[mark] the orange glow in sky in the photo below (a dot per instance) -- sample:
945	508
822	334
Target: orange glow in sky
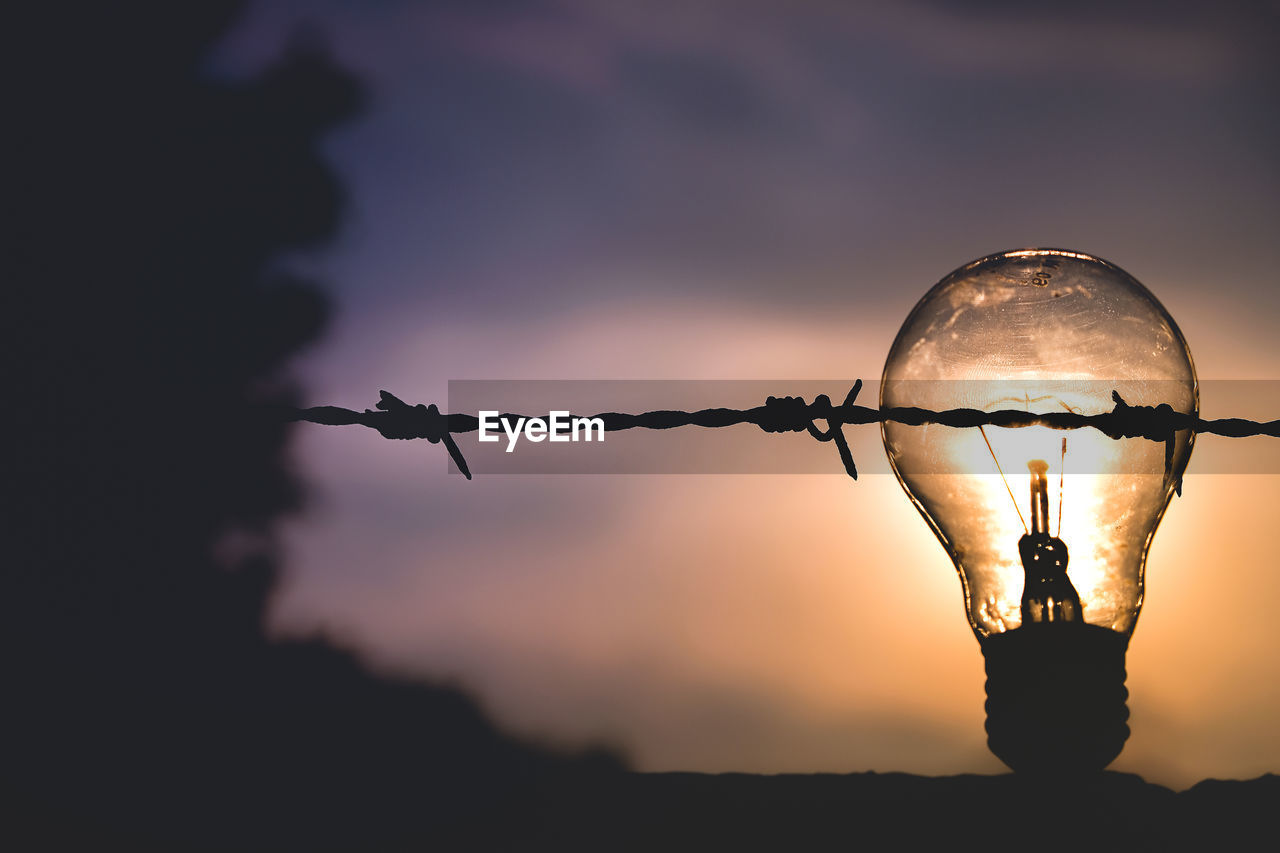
751	622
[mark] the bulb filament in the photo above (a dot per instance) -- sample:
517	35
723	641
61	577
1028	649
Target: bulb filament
1062	482
1048	595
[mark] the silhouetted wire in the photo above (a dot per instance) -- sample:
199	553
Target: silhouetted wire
394	418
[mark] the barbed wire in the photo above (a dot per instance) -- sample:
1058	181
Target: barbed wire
393	418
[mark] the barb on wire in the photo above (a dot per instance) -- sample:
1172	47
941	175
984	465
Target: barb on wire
394	418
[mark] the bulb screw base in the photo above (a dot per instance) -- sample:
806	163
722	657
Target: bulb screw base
1056	698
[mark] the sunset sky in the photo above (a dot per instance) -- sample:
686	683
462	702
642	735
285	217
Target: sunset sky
721	190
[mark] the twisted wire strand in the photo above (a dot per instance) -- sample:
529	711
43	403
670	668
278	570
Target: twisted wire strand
396	419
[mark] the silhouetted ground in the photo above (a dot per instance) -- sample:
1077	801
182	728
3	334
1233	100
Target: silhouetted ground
608	810
147	330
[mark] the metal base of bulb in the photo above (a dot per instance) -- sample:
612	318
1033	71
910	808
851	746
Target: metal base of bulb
1056	698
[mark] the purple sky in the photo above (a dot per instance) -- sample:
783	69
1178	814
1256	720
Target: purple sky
540	189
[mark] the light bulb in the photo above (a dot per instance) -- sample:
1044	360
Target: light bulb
1048	529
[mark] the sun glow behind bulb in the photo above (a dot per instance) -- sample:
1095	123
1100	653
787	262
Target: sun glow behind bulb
1075	501
1039	331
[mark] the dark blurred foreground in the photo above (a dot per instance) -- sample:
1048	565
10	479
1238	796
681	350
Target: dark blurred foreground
608	810
148	337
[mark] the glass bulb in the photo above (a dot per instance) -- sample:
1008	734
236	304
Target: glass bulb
1048	529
